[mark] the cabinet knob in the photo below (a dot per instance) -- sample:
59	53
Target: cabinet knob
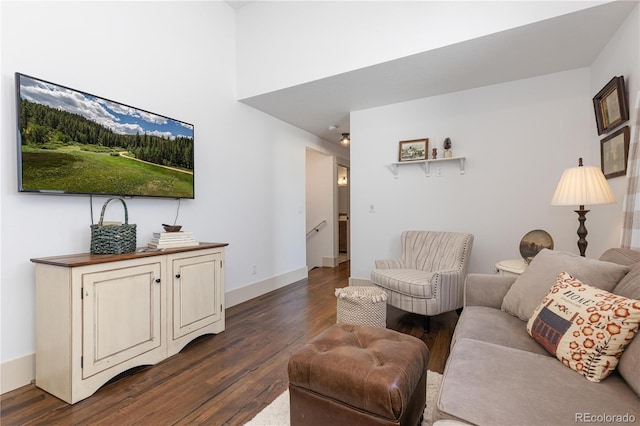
177	275
157	280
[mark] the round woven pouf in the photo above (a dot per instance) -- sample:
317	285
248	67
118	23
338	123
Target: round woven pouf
362	306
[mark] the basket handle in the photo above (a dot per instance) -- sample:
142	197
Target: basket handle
126	212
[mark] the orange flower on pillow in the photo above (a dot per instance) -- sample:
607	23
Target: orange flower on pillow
613	328
621	312
604	306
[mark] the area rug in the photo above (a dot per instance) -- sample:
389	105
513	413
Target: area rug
277	413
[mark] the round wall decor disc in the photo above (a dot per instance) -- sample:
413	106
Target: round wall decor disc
533	242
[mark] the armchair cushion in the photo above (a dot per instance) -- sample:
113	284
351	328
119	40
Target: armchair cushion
529	288
410	282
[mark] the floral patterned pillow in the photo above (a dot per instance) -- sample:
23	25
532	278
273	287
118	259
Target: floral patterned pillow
585	327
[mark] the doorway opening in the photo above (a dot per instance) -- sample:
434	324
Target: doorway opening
343	214
327	210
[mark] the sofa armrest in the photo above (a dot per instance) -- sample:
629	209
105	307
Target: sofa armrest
486	290
390	264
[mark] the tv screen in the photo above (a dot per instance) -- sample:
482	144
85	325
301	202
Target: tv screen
72	142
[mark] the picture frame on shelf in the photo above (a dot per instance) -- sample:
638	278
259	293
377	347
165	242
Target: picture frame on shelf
413	150
610	105
614	153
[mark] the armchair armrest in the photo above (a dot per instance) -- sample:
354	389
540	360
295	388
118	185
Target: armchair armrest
390	264
448	288
486	290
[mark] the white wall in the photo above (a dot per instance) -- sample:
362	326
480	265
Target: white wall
341	36
172	58
621	56
518	137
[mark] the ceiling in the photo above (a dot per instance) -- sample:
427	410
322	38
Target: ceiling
238	4
558	44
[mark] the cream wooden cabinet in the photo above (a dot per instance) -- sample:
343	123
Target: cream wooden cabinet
100	315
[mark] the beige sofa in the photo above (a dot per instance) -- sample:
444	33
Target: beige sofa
497	374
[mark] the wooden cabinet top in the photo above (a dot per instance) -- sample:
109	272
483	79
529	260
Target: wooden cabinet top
83	259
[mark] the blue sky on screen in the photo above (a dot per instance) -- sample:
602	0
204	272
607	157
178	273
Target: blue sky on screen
119	118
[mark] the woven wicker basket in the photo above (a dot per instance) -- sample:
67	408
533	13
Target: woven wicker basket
362	306
113	239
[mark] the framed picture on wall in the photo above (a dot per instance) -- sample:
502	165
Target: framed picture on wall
413	150
610	105
614	152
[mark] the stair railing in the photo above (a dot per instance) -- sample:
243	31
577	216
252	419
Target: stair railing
317	228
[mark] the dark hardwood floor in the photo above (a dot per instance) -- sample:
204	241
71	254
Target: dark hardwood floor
223	379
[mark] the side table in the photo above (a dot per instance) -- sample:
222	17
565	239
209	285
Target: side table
511	267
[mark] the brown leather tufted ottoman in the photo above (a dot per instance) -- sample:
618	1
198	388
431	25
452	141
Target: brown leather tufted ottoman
358	375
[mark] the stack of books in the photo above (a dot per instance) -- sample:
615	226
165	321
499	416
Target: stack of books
161	240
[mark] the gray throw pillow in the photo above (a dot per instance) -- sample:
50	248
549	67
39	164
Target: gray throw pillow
628	365
629	286
534	283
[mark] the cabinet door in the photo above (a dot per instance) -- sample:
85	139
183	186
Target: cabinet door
121	315
196	293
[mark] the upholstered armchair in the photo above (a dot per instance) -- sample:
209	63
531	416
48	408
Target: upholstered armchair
429	279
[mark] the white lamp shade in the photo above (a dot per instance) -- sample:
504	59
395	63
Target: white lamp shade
583	185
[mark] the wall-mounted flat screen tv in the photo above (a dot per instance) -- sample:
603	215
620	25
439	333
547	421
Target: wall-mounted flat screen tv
72	142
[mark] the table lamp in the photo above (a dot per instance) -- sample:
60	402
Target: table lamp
581	186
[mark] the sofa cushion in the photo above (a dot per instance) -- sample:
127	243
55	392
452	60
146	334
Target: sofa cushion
488	384
495	326
585	327
486	290
629	286
621	256
628	365
534	283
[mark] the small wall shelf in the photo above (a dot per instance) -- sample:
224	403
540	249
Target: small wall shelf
426	165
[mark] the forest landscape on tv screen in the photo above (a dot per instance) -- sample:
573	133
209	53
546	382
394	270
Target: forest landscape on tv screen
72	142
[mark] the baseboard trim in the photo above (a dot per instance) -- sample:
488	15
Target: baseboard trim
359	282
18	372
248	292
329	262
